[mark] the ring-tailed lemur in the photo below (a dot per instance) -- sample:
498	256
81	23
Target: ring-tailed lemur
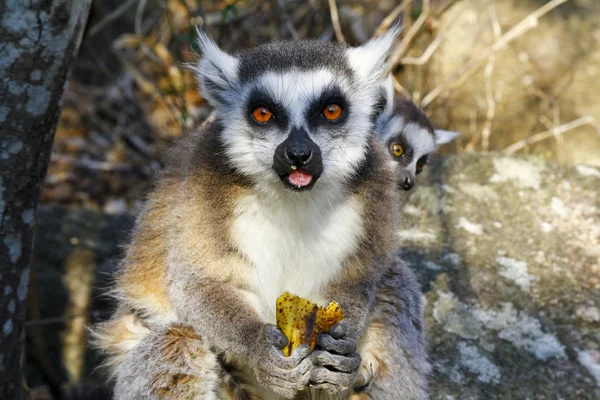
408	135
286	189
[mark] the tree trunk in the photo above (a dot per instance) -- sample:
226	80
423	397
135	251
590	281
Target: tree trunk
38	41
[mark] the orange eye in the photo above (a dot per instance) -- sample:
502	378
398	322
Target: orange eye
397	149
262	114
332	112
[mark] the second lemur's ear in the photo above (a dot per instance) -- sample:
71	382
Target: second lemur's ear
443	137
370	60
387	90
217	71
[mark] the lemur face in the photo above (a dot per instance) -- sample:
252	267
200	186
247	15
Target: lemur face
409	137
295	114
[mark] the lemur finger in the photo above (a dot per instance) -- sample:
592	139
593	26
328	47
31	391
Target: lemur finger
337	362
275	337
292	361
338	346
331	388
297	377
321	375
339	330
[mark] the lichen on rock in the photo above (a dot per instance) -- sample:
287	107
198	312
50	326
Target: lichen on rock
512	306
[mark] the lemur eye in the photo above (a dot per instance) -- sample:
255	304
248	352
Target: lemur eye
397	150
262	114
332	112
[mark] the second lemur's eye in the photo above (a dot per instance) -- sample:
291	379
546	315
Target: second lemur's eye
397	150
262	115
332	112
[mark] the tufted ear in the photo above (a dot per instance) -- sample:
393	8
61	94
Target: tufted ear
370	60
443	137
387	91
216	71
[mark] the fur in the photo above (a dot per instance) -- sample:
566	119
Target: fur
400	121
221	236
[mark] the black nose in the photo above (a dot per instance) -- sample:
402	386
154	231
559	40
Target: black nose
298	155
408	183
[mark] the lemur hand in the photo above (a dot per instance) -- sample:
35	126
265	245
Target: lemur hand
335	361
283	375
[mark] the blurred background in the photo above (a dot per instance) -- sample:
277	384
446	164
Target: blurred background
513	77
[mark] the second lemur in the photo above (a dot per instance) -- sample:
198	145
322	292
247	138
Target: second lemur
408	135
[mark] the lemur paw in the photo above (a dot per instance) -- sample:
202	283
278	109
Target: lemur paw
335	362
283	375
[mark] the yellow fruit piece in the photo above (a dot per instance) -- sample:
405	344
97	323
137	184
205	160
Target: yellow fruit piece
301	320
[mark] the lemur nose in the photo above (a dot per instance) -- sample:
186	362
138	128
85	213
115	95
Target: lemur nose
298	154
408	183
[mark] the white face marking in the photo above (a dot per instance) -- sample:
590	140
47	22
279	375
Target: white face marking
420	140
294	245
251	149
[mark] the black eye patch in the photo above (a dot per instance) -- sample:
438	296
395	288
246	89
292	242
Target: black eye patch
331	95
408	153
261	98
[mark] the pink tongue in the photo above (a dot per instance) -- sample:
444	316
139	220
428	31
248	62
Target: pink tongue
300	178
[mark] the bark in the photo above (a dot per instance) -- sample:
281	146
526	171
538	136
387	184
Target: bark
38	41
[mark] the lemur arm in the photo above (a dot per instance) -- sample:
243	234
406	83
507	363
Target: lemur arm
219	314
234	330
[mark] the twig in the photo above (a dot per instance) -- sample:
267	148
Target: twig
538	137
406	17
139	14
391	17
403	46
489	69
287	20
491	109
110	17
462	73
335	20
90	164
399	88
426	55
556	123
494	19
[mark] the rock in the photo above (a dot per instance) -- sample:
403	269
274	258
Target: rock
513	297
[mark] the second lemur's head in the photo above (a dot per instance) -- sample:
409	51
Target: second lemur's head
408	135
295	114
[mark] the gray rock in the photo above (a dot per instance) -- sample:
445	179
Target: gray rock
512	302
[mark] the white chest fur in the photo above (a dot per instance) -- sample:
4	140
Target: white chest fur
296	245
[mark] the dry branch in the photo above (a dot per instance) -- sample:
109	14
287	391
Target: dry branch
390	18
403	46
538	137
335	20
424	58
462	73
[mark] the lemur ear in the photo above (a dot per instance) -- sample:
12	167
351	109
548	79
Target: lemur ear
370	60
216	71
387	89
443	137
